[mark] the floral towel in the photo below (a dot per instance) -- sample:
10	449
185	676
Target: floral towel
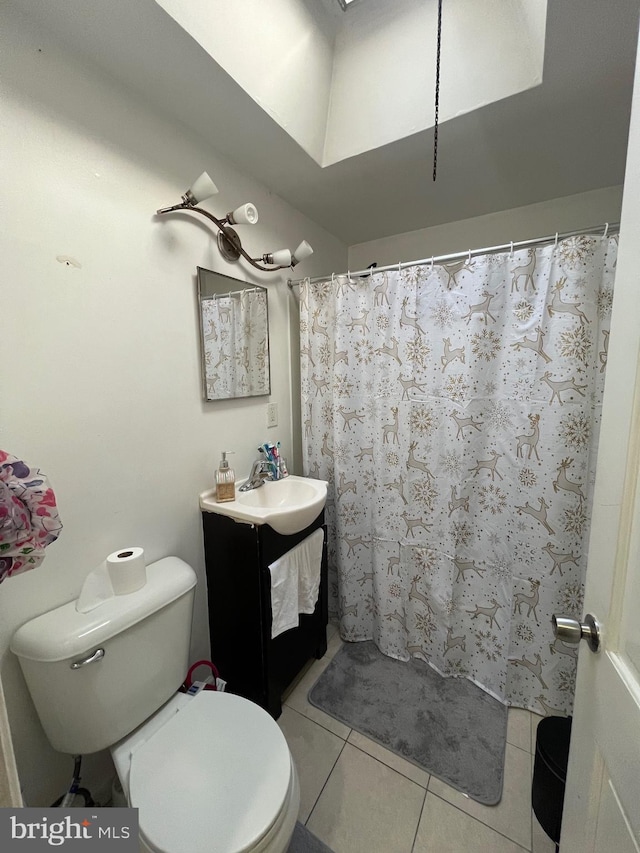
28	516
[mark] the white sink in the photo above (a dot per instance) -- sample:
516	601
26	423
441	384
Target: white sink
287	505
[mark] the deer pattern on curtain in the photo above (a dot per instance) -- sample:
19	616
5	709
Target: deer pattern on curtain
454	410
234	337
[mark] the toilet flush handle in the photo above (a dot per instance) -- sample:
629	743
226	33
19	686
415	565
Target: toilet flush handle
97	655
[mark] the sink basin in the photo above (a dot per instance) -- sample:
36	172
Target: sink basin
287	505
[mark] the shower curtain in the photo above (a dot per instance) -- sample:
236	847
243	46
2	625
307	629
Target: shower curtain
454	410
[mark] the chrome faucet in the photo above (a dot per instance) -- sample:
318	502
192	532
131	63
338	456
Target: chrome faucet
261	470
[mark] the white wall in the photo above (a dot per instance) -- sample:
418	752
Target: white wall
280	52
344	83
521	223
100	381
384	67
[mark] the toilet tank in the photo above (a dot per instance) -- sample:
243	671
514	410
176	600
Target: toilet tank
145	639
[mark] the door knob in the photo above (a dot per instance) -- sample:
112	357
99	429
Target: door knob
571	631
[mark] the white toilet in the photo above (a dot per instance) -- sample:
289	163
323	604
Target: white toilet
206	772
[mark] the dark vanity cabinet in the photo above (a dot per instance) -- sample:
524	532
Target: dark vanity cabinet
239	593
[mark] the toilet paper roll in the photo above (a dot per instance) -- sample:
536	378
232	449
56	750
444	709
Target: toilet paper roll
127	570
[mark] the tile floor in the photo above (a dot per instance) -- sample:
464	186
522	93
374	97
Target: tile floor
360	798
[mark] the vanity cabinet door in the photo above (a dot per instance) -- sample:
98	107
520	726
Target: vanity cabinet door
239	595
232	557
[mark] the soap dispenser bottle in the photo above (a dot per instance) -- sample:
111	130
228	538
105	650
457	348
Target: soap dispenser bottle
225	480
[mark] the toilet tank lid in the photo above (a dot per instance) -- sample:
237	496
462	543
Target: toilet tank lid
65	633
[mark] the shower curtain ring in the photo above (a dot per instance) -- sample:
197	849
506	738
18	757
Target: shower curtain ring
333	278
399	267
431	267
606	229
511	252
556	243
469	261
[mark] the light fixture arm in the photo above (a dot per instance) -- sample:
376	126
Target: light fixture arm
222	226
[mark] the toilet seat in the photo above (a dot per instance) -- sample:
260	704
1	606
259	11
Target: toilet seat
217	775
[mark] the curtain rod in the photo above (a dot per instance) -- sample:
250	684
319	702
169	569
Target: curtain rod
607	228
231	293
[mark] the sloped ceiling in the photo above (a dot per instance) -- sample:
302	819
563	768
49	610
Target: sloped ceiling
564	136
344	84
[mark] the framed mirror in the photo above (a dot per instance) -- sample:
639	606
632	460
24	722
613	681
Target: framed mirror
234	336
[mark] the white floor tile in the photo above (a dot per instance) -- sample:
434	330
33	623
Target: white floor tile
314	750
535	719
519	728
445	829
291	687
391	759
366	807
297	699
540	841
512	816
333	646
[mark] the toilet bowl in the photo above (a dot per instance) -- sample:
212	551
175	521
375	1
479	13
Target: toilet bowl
210	766
206	772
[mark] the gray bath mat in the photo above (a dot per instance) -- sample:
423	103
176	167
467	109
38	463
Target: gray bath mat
447	726
303	841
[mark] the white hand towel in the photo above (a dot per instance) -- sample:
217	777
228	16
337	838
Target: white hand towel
295	582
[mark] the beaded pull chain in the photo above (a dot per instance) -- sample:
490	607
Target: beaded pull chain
435	128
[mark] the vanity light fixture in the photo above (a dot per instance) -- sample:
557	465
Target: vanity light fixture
229	242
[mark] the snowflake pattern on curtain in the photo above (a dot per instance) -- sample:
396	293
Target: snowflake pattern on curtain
454	410
235	344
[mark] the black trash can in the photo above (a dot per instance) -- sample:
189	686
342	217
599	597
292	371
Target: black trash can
550	773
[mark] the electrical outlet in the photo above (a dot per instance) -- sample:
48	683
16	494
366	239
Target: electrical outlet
272	414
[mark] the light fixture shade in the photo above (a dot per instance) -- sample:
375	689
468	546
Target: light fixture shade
281	258
246	214
202	188
303	251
